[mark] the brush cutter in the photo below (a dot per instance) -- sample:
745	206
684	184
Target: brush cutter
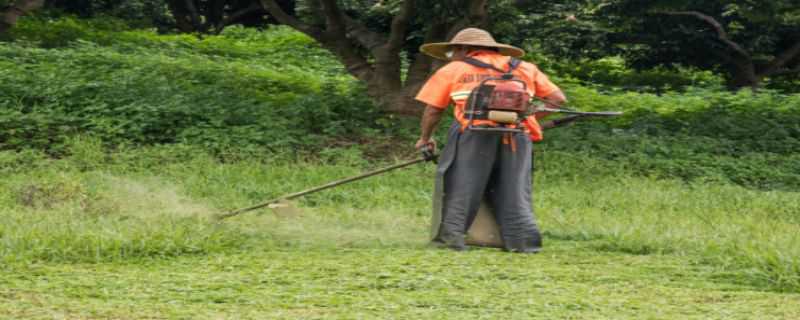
576	112
427	155
541	107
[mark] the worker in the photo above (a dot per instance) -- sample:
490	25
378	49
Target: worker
477	165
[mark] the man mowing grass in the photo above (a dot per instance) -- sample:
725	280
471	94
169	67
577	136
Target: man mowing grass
489	151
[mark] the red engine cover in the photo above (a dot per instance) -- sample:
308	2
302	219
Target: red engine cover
509	96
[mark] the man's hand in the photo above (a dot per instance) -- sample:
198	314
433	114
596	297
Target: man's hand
421	143
565	121
430	119
555	99
428	149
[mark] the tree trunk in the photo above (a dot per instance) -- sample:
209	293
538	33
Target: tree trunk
744	80
423	66
743	75
373	57
9	15
216	14
182	19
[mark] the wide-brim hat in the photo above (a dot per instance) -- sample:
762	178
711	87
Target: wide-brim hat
470	37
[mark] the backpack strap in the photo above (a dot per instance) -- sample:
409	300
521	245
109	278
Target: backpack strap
513	63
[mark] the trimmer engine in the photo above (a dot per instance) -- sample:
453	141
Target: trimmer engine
503	100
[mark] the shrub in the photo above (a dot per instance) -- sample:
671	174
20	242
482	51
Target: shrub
745	138
239	89
278	90
611	74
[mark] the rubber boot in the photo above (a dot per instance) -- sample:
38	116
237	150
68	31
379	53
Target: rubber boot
525	245
453	241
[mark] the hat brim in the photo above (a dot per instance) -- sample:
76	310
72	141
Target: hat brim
438	50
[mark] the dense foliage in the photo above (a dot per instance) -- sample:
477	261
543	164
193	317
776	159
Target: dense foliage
748	41
139	13
272	90
745	138
277	90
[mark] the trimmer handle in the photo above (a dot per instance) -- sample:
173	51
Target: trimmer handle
428	154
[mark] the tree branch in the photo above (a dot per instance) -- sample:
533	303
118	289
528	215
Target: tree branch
400	24
364	36
11	13
477	11
315	7
216	13
336	37
195	15
423	65
476	17
178	10
334	19
238	14
796	69
781	60
281	16
721	34
335	41
23	7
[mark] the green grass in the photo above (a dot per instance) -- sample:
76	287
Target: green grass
685	208
130	234
570	280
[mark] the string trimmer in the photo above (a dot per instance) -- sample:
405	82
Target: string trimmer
427	155
541	106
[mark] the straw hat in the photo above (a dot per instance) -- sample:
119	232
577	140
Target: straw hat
470	37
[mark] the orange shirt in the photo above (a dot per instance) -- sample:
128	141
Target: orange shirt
454	82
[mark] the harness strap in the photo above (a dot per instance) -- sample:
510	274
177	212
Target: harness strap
513	63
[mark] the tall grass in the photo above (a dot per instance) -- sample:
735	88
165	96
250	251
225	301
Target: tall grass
722	224
93	206
148	204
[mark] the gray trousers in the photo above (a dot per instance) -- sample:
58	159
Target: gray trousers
475	166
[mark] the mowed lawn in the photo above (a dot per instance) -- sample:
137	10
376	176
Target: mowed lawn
120	239
569	280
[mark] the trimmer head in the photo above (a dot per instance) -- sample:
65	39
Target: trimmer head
285	208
